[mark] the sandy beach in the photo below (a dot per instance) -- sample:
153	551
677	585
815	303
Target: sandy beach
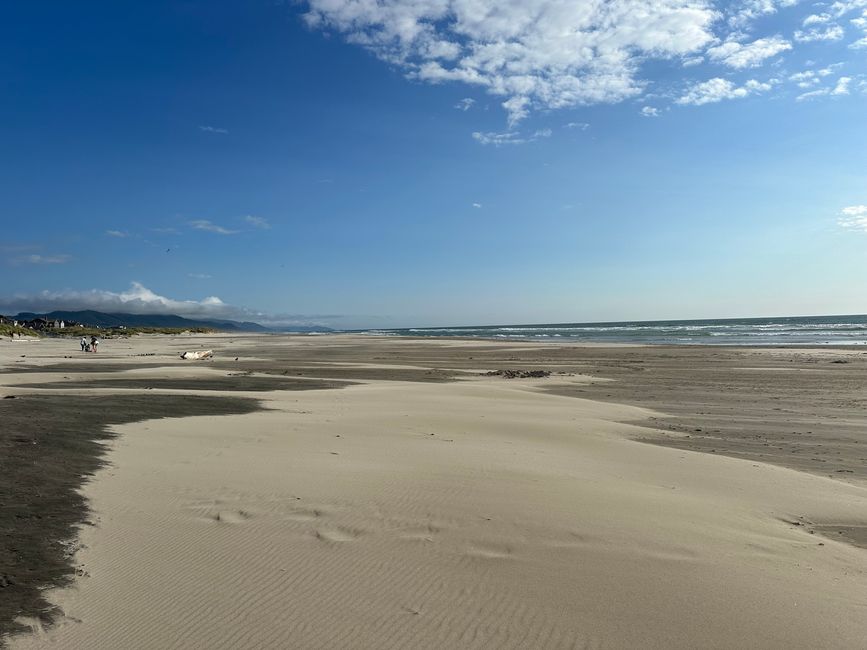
368	492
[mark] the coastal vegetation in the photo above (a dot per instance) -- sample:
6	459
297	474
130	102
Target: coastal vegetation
111	332
8	329
114	332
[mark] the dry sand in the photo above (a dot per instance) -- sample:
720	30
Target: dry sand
417	512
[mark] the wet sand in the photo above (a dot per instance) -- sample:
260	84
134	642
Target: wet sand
426	505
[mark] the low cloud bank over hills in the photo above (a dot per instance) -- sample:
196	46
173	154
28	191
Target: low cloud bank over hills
139	306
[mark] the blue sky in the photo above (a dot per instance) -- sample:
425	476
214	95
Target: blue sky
435	162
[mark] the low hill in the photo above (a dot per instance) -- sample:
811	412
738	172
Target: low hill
104	320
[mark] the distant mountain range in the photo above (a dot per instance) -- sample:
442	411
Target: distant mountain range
101	319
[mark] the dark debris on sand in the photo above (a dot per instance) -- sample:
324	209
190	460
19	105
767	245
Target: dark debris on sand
519	374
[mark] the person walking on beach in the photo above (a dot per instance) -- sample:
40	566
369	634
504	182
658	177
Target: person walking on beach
93	343
83	342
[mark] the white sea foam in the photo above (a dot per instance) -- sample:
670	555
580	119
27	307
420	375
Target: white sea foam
843	330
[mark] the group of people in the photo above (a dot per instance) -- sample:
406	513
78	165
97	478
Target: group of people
89	347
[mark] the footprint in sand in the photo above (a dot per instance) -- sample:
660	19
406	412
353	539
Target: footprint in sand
231	516
339	534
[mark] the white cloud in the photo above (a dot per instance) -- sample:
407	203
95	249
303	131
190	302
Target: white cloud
809	78
838	9
649	111
40	259
860	23
583	126
816	19
465	104
536	54
477	205
831	33
748	55
716	90
117	233
517	109
854	217
138	299
745	12
811	95
213	129
199	276
208	226
509	137
690	61
841	88
258	222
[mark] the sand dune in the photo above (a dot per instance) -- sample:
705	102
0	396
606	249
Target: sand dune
472	514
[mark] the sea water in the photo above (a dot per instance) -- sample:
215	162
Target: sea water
794	330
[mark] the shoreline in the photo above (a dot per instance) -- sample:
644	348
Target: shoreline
339	482
566	341
496	339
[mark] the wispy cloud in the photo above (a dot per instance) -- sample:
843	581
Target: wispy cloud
834	10
581	126
209	226
854	217
257	222
860	23
477	205
498	139
822	25
840	88
117	233
716	90
213	129
509	137
809	78
831	33
40	259
816	19
748	55
649	111
741	14
465	104
199	276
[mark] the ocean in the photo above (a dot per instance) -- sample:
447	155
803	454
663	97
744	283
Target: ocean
794	330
